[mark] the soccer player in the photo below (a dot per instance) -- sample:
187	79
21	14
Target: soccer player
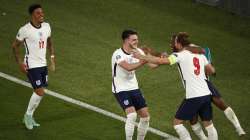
192	68
125	85
36	37
217	101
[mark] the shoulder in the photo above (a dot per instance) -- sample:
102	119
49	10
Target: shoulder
181	53
24	27
46	24
203	57
22	32
118	52
118	55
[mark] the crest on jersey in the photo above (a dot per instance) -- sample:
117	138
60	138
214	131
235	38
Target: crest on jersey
38	82
126	102
40	34
118	57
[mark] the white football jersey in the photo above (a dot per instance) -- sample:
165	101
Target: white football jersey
192	71
123	80
35	42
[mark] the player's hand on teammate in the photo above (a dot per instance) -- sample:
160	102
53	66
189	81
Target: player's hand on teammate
52	66
23	68
137	54
147	50
164	54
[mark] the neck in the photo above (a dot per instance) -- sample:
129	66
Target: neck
181	49
127	49
35	24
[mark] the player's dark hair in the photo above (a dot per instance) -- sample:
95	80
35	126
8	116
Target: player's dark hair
172	43
33	7
126	33
182	38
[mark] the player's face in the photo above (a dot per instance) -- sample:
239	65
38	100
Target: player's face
177	47
133	40
38	15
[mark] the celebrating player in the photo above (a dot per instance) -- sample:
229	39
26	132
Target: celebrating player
192	68
36	37
216	99
125	85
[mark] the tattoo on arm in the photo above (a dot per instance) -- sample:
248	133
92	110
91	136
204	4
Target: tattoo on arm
15	48
50	46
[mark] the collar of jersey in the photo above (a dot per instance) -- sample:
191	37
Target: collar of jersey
35	26
125	51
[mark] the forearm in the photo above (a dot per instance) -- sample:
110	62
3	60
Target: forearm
51	50
152	66
155	60
135	66
150	59
16	52
50	47
210	70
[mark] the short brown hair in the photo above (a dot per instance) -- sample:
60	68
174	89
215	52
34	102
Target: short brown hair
182	38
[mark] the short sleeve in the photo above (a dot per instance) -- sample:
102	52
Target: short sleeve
176	57
21	35
205	60
119	58
49	30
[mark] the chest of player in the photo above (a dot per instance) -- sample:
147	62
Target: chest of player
37	35
130	59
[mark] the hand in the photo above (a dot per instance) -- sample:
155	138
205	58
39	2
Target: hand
52	66
147	50
164	55
143	62
136	54
132	46
23	68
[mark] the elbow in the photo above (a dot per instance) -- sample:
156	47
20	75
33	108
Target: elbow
211	72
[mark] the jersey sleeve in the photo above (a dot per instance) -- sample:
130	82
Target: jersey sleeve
49	30
205	60
176	57
118	58
21	35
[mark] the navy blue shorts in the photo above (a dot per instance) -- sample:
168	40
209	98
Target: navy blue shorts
195	106
213	90
38	77
131	98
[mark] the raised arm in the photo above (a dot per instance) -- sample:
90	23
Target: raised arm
152	59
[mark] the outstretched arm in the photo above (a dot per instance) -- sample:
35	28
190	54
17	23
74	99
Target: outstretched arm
131	67
151	59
